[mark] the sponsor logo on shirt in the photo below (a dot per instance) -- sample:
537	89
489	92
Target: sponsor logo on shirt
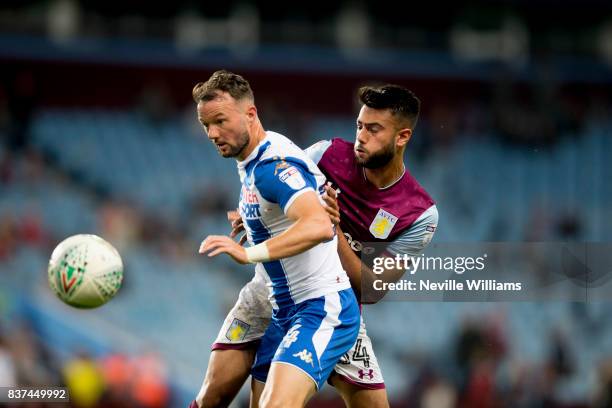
357	246
293	178
249	197
249	204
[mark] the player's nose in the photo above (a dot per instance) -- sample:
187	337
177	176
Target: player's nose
213	133
361	137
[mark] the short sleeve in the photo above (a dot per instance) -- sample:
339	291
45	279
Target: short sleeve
416	238
282	181
316	151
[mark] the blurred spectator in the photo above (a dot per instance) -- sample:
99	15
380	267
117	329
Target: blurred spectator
84	380
569	227
34	364
6	168
440	394
480	347
118	374
427	388
8	373
560	360
120	224
480	389
149	382
8	235
603	393
31	229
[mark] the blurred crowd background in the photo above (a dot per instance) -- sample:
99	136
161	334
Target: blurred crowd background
99	135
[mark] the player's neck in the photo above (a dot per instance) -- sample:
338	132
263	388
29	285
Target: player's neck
386	176
257	136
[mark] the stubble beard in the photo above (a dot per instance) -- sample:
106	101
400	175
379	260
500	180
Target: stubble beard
235	151
379	159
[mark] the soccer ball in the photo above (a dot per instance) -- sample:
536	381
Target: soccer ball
85	271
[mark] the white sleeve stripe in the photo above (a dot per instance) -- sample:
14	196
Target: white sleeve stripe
414	240
431	214
295	196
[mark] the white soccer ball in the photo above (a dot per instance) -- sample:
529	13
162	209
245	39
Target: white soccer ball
85	271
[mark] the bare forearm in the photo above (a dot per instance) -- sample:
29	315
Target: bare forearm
360	274
350	262
300	237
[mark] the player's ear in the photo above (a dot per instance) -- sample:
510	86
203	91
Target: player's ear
404	136
251	113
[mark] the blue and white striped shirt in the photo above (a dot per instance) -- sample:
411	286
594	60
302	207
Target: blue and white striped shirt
273	176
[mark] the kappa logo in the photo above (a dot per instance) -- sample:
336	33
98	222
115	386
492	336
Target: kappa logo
305	356
291	336
382	224
293	178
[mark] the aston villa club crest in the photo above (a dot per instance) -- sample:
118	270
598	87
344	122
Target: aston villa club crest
237	330
383	224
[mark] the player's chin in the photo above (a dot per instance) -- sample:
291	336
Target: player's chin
361	157
362	161
226	151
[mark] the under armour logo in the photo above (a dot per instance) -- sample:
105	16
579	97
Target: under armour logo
370	374
305	356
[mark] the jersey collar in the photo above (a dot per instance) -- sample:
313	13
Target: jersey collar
256	154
